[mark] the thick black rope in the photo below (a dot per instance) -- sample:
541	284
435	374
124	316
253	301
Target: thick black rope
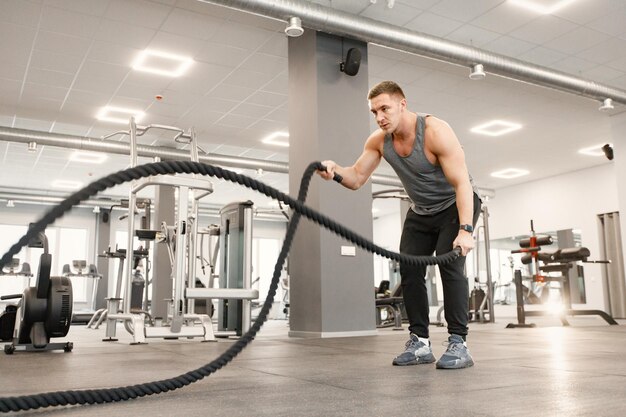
105	395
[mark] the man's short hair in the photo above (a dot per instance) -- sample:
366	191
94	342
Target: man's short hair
385	87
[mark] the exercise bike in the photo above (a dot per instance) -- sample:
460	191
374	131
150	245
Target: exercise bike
44	311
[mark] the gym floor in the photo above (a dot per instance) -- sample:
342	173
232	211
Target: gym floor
549	370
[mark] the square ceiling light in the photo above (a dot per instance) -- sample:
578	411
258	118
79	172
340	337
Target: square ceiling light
66	184
542	6
509	173
595	150
496	128
162	63
88	157
119	114
273	139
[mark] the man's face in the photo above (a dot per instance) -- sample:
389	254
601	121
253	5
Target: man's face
387	111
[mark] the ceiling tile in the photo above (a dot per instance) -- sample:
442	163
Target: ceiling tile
463	11
542	29
267	64
32	124
53	61
231	92
433	24
100	85
504	18
20	12
276	45
189	24
542	56
618	64
585	11
247	78
18	49
63	44
267	98
242	36
90	7
51	78
129	35
112	53
69	129
232	120
613	23
602	74
138	13
114	72
508	46
606	51
215	104
220	54
251	110
577	40
176	44
472	36
9	91
399	15
44	91
573	65
12	72
201	79
68	22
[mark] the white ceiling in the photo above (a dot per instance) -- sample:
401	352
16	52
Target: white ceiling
62	60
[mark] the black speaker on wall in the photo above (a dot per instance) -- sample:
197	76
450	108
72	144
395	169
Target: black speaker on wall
352	63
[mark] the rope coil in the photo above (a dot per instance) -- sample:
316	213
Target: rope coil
106	395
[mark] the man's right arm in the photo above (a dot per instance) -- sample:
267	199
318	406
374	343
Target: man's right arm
358	174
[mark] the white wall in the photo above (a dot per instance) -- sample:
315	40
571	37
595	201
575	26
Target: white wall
562	202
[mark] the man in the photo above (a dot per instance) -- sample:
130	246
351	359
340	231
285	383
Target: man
429	160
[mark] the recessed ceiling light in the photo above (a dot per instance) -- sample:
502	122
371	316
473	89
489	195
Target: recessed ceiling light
67	184
595	150
272	139
114	114
496	128
540	6
510	173
88	157
162	63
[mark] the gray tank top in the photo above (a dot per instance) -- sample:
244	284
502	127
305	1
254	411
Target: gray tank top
425	183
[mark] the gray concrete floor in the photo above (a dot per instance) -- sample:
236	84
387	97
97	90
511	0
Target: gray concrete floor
549	370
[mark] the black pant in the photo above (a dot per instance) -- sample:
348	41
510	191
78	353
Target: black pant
423	235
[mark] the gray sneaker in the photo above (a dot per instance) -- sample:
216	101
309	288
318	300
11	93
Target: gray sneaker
457	355
416	352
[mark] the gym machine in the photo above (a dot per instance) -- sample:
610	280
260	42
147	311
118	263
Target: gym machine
559	261
80	270
178	323
235	277
44	311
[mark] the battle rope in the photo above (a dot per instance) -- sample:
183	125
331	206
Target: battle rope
105	395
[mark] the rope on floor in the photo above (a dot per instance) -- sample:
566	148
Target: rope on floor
106	395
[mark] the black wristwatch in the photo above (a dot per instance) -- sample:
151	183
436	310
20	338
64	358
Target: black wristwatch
467	227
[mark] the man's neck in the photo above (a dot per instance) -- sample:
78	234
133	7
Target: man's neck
406	128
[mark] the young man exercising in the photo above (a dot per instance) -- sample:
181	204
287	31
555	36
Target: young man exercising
428	158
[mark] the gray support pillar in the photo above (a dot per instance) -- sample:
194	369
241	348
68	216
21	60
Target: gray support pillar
330	295
164	211
618	133
102	245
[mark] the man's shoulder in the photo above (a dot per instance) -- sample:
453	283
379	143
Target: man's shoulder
376	140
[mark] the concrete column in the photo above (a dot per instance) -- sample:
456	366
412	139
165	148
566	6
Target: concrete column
618	133
330	295
165	204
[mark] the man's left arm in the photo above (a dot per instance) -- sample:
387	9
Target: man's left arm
446	147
